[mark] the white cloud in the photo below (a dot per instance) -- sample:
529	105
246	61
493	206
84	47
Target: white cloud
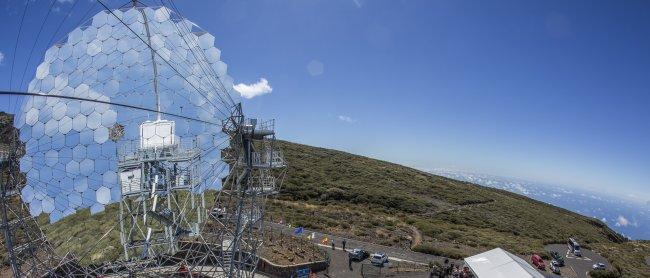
65	1
2	57
252	90
604	219
622	221
346	119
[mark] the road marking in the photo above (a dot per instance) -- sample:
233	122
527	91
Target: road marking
579	258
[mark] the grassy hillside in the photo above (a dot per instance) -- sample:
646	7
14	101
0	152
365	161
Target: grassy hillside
389	204
395	205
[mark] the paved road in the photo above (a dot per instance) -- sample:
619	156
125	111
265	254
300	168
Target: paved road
394	253
339	267
577	266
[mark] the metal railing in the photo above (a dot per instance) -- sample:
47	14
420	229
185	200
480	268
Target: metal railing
185	148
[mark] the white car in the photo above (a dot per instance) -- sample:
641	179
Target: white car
219	212
379	259
598	266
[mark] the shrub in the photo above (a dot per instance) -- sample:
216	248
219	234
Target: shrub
439	251
604	274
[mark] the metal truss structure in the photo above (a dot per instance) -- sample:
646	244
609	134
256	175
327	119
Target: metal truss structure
161	201
257	168
185	192
28	252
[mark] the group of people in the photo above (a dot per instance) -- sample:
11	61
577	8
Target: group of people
451	270
342	243
462	272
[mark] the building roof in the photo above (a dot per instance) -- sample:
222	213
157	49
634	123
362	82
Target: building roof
500	263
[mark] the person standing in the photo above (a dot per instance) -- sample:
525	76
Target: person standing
350	262
343	243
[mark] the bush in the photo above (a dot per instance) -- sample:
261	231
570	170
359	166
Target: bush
438	251
604	274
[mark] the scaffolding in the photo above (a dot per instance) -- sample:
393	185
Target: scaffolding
256	169
161	199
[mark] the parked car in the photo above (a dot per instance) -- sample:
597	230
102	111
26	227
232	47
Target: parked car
538	262
598	266
218	212
379	259
554	268
358	254
557	258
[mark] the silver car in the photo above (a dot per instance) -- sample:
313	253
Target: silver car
598	266
379	259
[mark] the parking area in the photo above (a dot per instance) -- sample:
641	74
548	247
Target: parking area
576	266
339	267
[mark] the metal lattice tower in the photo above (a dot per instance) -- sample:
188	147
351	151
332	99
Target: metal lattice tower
257	168
28	251
161	201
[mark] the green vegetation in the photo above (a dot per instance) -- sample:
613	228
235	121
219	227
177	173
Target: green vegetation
604	274
439	251
382	202
628	258
393	205
92	238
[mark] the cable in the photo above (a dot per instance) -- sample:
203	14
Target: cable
54	35
29	59
13	59
202	63
189	30
199	62
66	17
13	55
105	102
169	64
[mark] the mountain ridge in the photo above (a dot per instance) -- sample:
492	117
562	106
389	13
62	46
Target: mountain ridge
627	217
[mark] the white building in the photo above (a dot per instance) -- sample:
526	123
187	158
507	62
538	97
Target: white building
498	263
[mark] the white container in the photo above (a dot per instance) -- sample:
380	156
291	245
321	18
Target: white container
130	181
156	134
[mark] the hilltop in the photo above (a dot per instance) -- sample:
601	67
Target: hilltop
390	204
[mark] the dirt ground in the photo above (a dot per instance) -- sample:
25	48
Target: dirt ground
285	249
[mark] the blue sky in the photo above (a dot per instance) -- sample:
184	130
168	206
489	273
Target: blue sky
550	91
